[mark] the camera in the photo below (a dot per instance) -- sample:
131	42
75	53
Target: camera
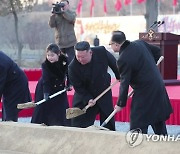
57	8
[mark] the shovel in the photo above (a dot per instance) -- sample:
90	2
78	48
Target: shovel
94	127
114	112
75	112
32	104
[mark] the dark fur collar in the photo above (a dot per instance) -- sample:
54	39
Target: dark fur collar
58	68
124	45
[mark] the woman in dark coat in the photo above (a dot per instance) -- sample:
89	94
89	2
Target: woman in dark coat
137	67
13	87
54	74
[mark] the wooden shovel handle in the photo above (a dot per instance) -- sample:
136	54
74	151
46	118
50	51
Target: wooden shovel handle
109	118
105	91
99	96
115	111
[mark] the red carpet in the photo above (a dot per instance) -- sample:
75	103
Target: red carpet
123	116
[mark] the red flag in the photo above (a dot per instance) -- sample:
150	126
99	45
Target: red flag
91	8
79	7
140	1
118	5
175	2
127	2
105	7
79	23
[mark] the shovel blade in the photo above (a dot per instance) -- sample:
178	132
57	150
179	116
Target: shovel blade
74	112
26	105
94	127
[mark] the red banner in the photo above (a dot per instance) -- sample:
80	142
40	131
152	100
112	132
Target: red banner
79	7
140	1
175	2
91	8
118	5
105	7
127	2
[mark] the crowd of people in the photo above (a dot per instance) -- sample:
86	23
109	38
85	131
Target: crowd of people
75	64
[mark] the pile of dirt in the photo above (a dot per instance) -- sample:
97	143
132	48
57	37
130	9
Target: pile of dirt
37	139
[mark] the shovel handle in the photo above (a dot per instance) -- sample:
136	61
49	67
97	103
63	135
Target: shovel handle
105	91
52	96
109	118
115	111
86	107
159	61
99	96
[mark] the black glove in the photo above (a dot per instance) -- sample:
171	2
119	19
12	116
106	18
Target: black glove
46	96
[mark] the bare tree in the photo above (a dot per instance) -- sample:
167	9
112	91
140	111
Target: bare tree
14	7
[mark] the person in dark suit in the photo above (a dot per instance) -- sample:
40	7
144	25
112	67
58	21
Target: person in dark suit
54	75
137	67
89	77
13	87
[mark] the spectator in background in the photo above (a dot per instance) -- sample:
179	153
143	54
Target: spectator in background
96	41
89	77
137	67
54	75
13	87
63	21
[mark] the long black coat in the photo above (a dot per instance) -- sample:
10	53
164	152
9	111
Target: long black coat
89	82
13	87
53	111
137	67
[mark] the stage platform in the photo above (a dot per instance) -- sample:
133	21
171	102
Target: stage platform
123	116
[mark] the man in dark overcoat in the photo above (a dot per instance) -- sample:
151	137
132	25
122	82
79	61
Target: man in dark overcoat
88	73
137	67
13	87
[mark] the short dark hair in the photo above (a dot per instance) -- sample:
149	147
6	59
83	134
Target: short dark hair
118	37
81	46
65	1
53	48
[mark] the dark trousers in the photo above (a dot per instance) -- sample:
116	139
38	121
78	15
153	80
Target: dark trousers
8	118
159	128
89	117
70	53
